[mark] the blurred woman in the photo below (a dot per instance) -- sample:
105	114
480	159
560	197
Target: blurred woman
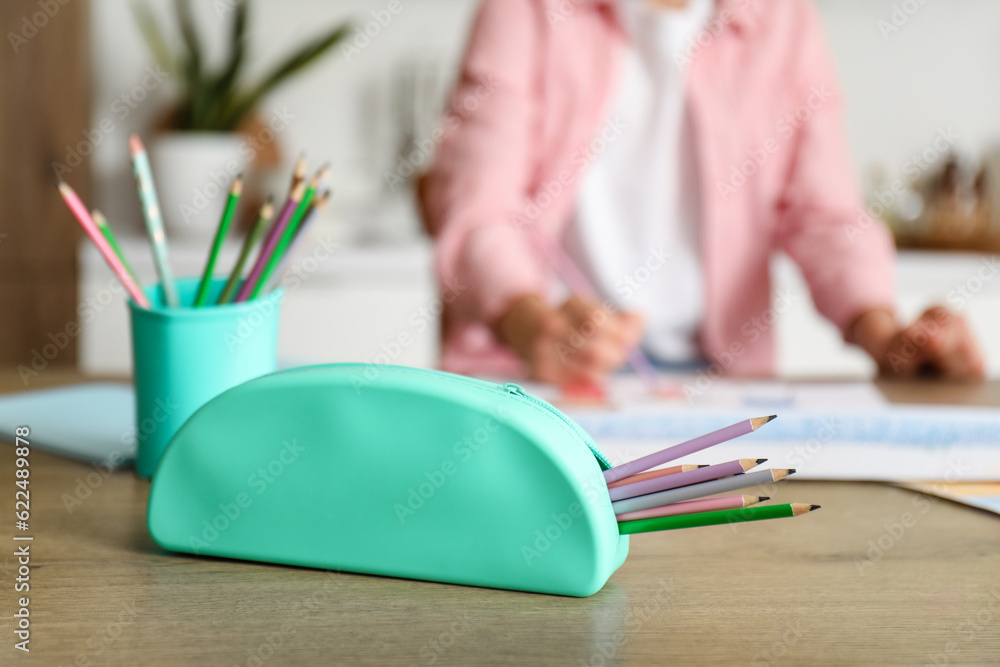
666	148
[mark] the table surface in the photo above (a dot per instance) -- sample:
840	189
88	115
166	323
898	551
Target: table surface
880	575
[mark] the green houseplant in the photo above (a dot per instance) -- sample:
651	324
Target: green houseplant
214	127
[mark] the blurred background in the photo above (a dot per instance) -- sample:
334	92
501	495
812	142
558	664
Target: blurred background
78	77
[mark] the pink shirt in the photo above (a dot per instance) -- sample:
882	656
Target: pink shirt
528	116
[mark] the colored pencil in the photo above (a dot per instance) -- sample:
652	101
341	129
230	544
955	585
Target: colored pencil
299	239
271	242
718	471
266	211
105	227
653	474
579	284
90	227
299	173
714	518
694	507
220	236
685	448
289	232
724	485
154	218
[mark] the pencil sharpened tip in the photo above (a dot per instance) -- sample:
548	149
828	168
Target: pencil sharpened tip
771	418
759	461
135	144
702	465
813	507
791	471
763	498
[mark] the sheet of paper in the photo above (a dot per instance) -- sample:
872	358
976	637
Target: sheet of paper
92	422
837	430
982	495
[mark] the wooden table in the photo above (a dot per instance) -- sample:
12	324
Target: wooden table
879	576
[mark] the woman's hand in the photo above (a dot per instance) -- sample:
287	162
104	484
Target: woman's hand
938	344
579	342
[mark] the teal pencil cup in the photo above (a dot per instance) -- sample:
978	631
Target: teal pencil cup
183	357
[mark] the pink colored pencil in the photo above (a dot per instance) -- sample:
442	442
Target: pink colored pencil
90	227
271	242
652	474
737	467
693	507
685	448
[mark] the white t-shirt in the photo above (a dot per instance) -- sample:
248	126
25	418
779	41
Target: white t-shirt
634	232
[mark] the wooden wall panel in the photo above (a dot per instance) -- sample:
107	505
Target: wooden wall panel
45	80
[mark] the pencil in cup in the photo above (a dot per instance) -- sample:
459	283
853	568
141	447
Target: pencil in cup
220	236
271	242
109	234
289	233
153	216
694	507
690	447
724	485
298	240
90	227
251	239
715	518
737	467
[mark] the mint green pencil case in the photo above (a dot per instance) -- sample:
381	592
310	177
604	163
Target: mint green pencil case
391	471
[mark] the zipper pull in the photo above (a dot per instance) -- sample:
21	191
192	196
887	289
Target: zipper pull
514	389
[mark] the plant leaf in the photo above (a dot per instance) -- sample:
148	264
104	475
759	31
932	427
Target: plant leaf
223	90
193	64
155	42
292	65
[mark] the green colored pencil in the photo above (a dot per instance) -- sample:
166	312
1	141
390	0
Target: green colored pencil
220	235
289	233
714	518
105	227
263	218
